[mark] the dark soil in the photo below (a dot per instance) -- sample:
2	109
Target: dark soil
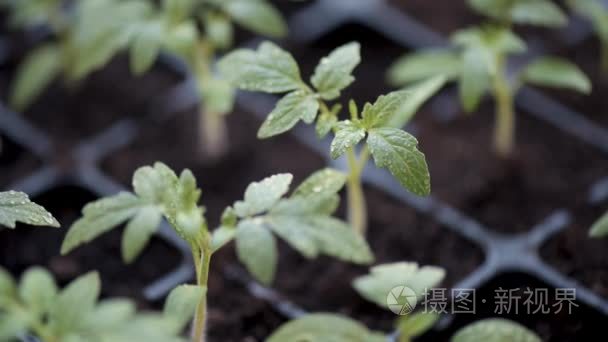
577	255
549	169
582	324
444	18
15	162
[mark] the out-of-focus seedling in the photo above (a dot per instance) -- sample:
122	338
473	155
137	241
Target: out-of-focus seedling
270	69
597	13
398	287
196	30
303	220
600	227
478	61
37	307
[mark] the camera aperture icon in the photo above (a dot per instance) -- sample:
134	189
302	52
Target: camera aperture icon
401	300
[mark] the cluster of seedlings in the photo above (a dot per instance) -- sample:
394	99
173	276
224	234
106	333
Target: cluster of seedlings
81	41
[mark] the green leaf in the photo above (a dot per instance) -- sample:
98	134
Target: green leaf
222	236
147	42
16	207
475	79
385	107
325	181
37	290
177	10
327	120
539	13
558	73
99	217
334	72
495	330
13	325
218	95
314	234
293	107
74	302
181	304
34	75
489	41
219	29
263	195
256	248
600	227
377	285
258	16
139	231
7	285
109	314
417	95
533	12
322	327
398	151
422	65
348	134
269	69
416	324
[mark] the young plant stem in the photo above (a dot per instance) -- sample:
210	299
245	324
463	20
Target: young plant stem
202	260
212	130
212	134
504	126
357	208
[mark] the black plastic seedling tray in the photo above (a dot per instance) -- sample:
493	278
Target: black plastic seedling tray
503	253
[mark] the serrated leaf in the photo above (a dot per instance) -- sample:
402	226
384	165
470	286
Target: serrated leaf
334	72
417	95
385	107
34	75
325	181
348	134
474	80
154	184
258	16
323	327
415	324
495	330
37	290
261	196
139	231
422	65
269	69
99	217
181	304
256	248
397	151
314	234
16	207
377	285
558	73
74	302
293	107
600	227
147	42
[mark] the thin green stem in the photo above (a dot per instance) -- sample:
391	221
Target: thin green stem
504	126
357	209
202	278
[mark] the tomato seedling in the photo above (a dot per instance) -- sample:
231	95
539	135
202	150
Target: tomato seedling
478	61
270	69
303	220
